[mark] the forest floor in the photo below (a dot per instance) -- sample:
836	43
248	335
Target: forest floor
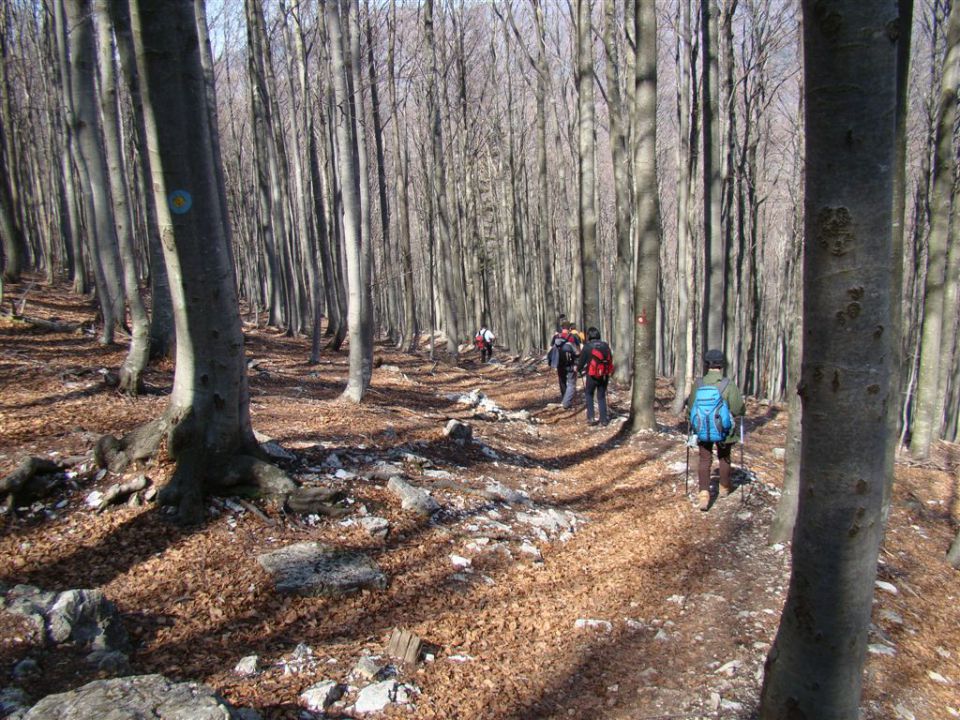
677	607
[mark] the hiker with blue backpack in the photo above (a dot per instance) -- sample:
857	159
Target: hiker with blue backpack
714	403
596	365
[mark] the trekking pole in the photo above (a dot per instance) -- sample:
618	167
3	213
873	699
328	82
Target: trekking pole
743	497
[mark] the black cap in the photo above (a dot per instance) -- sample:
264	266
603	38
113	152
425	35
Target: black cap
714	359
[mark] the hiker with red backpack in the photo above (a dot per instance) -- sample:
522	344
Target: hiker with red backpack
483	341
596	364
714	402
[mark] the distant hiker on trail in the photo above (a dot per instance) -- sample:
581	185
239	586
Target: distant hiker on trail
713	404
563	356
576	336
484	342
596	363
561	319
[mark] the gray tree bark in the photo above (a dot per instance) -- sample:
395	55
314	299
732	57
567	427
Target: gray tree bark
814	667
350	190
207	422
94	177
685	161
161	325
131	371
411	328
589	305
436	184
646	285
927	420
713	267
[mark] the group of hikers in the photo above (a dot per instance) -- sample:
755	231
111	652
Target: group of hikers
712	406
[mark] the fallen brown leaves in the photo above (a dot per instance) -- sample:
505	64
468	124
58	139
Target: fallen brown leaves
196	601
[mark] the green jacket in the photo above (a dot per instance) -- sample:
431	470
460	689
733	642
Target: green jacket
731	393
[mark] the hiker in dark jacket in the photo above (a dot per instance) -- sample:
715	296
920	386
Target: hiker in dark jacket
715	362
596	365
563	357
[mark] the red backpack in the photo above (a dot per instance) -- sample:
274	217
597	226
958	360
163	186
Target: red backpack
601	362
478	341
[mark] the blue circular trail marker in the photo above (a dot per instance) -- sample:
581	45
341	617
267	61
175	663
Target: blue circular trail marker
180	202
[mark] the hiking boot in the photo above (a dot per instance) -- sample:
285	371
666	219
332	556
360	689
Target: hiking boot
726	490
591	422
704	497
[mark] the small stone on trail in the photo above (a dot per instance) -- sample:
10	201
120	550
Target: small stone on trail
459	432
319	697
878	649
779	453
591	624
248	666
938	678
276	451
333	461
891	616
729	669
904	713
376	697
412	498
528	549
311	568
367	667
376	527
460	561
888	587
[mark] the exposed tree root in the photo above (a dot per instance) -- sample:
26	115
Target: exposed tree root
138	445
116	494
48	325
30	481
315	501
200	471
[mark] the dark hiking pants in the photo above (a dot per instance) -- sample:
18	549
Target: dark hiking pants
706	458
591	386
569	387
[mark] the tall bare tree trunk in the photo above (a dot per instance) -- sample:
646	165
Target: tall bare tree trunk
131	380
927	422
161	330
208	419
586	139
648	219
12	239
350	188
814	667
437	181
713	268
411	329
91	162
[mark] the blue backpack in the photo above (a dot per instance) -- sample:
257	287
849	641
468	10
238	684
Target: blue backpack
710	416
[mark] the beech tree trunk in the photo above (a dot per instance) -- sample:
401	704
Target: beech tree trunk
814	668
713	268
411	328
87	129
586	143
928	419
131	371
350	189
208	418
646	285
